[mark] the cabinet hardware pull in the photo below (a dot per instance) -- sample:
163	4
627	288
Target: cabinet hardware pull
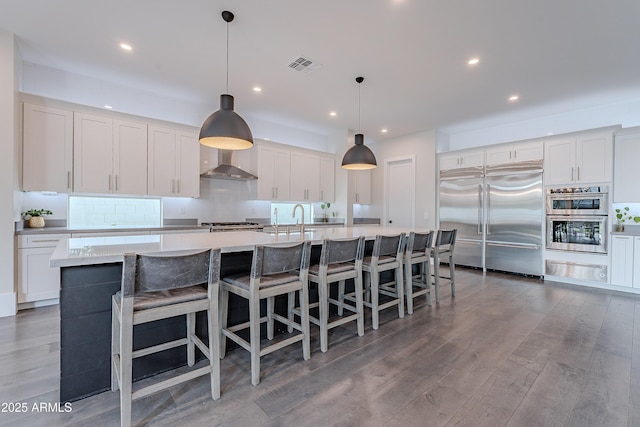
510	152
116	182
322	194
178	186
578	175
109	178
45	240
515	154
571	174
68	179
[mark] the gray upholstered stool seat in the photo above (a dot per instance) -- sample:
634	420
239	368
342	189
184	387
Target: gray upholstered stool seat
275	270
159	287
443	249
417	253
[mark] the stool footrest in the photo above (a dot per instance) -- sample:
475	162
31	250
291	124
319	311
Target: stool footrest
160	347
170	382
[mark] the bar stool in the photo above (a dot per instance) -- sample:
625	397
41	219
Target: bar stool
159	287
418	252
275	270
443	248
386	256
340	259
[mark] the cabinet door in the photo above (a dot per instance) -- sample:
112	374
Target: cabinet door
47	139
282	174
622	261
313	178
449	162
266	173
327	179
363	187
636	262
37	281
92	153
594	154
298	176
559	155
129	157
472	158
500	155
626	173
161	161
188	156
527	151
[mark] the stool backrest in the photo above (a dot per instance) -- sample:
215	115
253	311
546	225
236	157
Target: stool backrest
419	242
342	250
388	245
276	259
150	273
445	241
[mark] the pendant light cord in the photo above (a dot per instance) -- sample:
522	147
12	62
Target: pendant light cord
227	57
359	107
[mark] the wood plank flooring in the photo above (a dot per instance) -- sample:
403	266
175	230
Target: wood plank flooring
508	351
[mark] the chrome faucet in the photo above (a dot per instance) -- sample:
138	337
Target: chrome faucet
275	226
302	220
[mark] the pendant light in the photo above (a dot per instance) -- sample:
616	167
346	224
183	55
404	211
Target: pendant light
225	129
359	157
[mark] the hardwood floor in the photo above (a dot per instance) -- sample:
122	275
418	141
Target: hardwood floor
508	350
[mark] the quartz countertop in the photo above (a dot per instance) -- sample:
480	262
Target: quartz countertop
634	232
66	230
102	250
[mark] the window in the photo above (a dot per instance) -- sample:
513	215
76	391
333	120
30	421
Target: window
111	212
285	213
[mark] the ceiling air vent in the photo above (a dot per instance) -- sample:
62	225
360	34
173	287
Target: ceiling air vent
303	65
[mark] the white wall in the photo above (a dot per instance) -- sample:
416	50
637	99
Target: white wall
9	171
423	146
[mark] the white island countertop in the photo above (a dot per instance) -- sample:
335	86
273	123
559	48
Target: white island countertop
103	250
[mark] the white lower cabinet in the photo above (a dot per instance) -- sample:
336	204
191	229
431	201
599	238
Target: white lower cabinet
36	280
625	261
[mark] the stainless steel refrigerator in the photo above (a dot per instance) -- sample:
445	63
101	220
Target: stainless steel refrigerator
498	214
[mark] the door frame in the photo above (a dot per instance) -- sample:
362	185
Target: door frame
412	187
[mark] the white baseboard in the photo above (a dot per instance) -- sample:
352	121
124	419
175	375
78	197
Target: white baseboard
8	305
36	304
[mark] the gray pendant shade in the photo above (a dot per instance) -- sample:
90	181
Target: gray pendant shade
359	157
225	129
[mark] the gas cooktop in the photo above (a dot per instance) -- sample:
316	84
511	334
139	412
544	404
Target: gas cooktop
232	226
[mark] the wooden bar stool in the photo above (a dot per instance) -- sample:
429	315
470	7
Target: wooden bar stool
418	252
386	256
443	248
159	287
275	270
340	259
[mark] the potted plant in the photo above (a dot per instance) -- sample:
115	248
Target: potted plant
324	206
622	215
36	217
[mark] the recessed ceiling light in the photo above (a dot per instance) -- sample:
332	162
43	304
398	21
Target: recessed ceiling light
514	98
108	107
257	89
333	113
125	46
384	130
473	61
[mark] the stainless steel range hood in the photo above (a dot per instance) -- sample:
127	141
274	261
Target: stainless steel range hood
225	170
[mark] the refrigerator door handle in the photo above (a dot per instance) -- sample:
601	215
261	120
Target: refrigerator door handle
488	209
515	245
480	203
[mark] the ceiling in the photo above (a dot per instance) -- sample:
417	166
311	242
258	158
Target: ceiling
412	53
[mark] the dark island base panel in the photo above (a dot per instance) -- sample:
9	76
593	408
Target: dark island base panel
85	327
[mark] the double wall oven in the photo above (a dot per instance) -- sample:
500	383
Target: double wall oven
577	219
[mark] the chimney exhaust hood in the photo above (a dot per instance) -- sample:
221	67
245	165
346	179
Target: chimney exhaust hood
225	170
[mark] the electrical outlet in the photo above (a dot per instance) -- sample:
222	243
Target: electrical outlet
183	211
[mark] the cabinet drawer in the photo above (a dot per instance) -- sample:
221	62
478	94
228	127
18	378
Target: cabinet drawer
40	240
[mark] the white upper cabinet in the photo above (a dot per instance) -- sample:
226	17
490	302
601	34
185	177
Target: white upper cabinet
92	153
514	153
362	186
47	137
583	159
626	171
109	155
305	177
327	179
173	163
274	173
462	159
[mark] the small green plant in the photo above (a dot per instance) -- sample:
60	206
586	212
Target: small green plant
623	215
36	212
324	206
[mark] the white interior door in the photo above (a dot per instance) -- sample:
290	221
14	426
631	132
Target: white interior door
400	197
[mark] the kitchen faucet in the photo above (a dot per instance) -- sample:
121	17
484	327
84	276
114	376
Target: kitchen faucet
294	215
275	213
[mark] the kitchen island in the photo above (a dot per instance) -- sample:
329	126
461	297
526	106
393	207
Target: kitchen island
90	273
